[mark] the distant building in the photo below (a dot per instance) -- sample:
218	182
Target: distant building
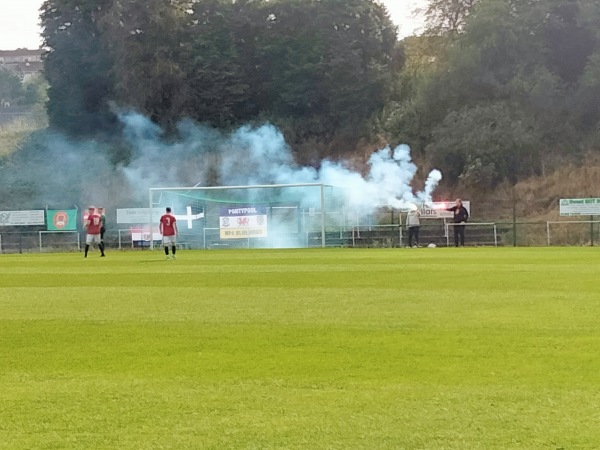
22	62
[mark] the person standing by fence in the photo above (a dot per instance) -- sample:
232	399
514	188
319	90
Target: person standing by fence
413	222
461	215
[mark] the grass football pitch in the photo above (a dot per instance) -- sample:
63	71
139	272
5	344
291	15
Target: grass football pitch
475	348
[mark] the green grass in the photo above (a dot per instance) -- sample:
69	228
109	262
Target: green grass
301	349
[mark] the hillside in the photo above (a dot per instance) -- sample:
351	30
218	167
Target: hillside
536	198
13	133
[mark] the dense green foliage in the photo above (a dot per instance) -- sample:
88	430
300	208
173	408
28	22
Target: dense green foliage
17	93
500	89
10	86
494	90
316	68
333	348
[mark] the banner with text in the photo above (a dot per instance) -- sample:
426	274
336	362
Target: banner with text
243	222
22	218
439	210
580	206
61	220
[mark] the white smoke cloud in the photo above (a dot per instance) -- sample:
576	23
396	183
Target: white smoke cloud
61	172
260	156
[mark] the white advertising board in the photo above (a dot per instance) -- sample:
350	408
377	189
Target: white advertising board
22	218
138	215
142	215
580	206
438	210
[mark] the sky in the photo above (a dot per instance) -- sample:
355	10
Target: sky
19	21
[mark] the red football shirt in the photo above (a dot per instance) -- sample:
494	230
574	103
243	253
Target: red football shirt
94	224
168	224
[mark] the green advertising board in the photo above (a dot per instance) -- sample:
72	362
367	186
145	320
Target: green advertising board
61	219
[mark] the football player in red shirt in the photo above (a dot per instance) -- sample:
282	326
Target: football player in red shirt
93	225
168	229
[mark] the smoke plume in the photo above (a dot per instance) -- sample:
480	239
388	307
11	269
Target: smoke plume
60	172
260	156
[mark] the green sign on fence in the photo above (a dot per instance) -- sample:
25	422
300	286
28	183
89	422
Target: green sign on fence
61	220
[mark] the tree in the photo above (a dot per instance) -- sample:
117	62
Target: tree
568	41
448	16
484	145
36	90
328	66
516	59
145	39
214	57
11	89
320	67
78	66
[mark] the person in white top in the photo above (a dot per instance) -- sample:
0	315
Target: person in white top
413	222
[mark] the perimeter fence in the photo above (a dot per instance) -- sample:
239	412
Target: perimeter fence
376	232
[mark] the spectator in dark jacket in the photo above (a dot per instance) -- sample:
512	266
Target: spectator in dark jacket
461	215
